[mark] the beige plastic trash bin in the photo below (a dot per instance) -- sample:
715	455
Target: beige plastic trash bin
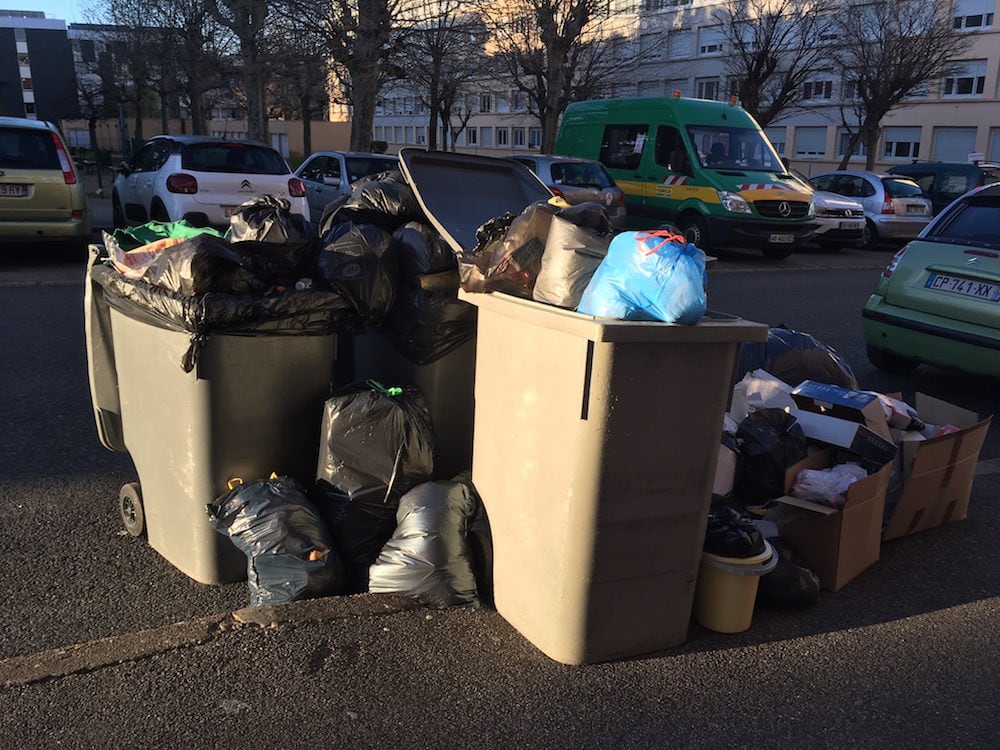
594	452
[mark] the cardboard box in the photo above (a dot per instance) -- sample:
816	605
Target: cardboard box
725	471
853	436
843	403
940	480
837	544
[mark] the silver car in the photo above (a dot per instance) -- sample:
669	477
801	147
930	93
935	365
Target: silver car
578	181
840	221
330	174
896	210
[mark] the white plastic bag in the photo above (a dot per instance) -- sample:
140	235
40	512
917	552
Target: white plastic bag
827	486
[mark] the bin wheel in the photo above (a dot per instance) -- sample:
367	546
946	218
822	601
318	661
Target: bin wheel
130	507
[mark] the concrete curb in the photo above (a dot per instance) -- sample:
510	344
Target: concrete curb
48	665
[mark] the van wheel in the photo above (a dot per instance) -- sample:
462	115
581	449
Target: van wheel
870	237
695	232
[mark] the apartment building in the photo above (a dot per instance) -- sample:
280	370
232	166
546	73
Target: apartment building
36	67
681	48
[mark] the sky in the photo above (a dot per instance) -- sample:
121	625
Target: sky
70	11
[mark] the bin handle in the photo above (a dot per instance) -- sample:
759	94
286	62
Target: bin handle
745	570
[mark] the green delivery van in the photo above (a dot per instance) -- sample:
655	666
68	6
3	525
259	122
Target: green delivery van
704	166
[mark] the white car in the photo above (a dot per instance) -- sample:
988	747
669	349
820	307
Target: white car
200	179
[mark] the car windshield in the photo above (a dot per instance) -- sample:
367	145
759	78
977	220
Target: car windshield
734	148
580	174
901	187
27	149
238	158
362	166
974	222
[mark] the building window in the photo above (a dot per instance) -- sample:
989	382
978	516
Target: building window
650	88
87	52
777	138
969	80
22	59
535	138
486	102
420	135
655	5
19	35
471	137
29	109
25	84
519	101
844	140
503	103
810	143
901	143
486	137
972	15
503	137
378	132
678	86
409	134
953	144
710	40
651	46
994	144
706	88
397	134
379	106
517	135
680	44
817	90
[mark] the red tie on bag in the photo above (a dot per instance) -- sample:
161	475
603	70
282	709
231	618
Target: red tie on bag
666	234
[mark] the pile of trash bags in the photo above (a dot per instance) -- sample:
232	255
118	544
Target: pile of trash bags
374	520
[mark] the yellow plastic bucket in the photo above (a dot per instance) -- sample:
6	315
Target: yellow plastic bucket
727	589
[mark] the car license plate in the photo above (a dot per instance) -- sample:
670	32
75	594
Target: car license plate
13	191
782	239
915	209
966	287
850	225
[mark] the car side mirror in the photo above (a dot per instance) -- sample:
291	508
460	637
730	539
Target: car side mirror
331	181
124	169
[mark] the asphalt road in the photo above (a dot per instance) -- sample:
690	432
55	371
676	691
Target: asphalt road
905	655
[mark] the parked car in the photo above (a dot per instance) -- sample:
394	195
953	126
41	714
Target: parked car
943	182
895	207
938	300
578	181
41	195
840	220
200	179
330	174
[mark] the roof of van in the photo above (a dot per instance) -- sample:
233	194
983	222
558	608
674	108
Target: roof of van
702	110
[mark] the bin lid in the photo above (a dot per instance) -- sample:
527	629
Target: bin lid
461	192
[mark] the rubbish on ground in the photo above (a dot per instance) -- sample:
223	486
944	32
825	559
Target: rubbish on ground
428	556
770	441
388	203
360	262
290	555
843	403
266	228
759	390
793	356
205	265
827	486
729	534
651	275
791	585
131	250
577	242
853	436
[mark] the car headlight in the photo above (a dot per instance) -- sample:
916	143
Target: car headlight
734	202
812	210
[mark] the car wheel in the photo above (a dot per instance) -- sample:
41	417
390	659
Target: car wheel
891	363
695	231
117	214
130	508
158	212
869	239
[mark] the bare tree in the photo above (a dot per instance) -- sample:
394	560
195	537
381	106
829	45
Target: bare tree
300	76
555	52
890	48
248	20
775	47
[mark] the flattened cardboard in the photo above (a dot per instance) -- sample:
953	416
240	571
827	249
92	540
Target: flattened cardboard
940	482
837	544
843	433
843	403
725	471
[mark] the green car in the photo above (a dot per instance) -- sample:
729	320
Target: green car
938	300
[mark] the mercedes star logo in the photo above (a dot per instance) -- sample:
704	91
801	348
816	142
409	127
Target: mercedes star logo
784	208
246	186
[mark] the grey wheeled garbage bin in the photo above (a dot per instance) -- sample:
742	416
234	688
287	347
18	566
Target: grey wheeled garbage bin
594	452
251	404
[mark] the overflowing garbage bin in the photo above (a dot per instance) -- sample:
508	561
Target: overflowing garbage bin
594	453
200	390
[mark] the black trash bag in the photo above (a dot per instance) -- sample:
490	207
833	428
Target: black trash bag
730	534
206	265
480	544
360	261
359	530
573	251
290	554
508	262
791	585
386	203
793	356
428	320
266	227
376	443
429	556
771	440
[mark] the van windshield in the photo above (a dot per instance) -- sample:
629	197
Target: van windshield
733	148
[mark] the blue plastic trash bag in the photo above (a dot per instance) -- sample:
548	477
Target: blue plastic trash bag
648	276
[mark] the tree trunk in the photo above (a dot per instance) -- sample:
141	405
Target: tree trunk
253	85
164	113
197	113
306	106
138	138
364	87
871	143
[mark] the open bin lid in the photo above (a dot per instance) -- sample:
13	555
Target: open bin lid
460	192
